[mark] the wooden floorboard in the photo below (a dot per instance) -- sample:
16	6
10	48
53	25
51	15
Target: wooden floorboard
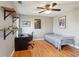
44	49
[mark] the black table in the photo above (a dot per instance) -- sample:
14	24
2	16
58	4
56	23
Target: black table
22	42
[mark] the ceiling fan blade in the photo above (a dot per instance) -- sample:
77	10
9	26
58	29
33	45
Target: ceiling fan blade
20	2
41	11
53	4
40	8
56	9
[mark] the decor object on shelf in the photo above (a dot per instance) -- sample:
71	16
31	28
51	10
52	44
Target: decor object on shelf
62	22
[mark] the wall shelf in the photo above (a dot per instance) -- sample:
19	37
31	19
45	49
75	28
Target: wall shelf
5	35
14	18
7	12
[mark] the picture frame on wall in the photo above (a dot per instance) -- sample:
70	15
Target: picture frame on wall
37	23
62	22
26	23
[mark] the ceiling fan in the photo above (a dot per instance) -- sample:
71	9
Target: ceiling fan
20	2
48	7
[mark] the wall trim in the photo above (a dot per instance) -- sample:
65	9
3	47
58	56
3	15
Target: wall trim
38	39
12	53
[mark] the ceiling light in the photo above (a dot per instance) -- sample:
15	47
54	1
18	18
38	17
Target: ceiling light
47	12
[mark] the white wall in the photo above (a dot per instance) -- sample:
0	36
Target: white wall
46	25
6	46
72	24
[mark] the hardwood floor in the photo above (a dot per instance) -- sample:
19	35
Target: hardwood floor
44	49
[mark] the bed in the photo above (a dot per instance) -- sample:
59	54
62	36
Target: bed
59	40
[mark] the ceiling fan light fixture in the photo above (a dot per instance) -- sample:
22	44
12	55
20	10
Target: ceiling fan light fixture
47	12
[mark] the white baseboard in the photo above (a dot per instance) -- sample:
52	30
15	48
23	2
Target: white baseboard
75	46
12	53
38	39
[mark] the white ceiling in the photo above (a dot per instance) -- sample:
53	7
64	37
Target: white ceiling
29	7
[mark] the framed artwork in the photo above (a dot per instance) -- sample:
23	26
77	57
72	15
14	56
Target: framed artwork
37	23
62	22
26	23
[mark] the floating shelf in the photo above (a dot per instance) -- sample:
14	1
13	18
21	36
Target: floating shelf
5	35
7	12
14	18
14	31
10	11
1	29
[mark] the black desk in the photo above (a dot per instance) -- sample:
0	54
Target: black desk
22	42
